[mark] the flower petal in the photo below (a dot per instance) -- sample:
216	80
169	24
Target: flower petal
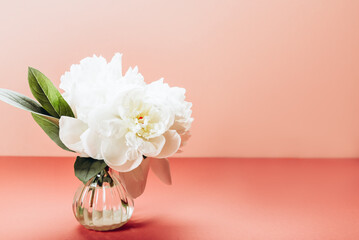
91	143
70	132
104	120
184	138
114	151
129	165
115	66
153	146
132	76
161	168
135	180
119	156
173	142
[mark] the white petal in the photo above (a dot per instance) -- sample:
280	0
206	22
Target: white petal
91	143
129	165
105	122
185	137
132	140
153	146
114	151
70	132
173	142
115	66
181	125
161	167
135	180
84	155
119	156
132	76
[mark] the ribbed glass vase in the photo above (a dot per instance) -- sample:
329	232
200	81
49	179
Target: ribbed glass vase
102	204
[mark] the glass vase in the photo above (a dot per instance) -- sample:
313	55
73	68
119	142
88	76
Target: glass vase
102	204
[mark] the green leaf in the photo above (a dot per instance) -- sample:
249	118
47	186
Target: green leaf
48	96
87	168
51	129
20	101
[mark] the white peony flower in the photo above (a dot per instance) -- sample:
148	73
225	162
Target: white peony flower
120	118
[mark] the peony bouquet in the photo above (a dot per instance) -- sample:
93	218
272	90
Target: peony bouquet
112	120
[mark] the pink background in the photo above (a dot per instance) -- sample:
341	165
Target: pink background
266	78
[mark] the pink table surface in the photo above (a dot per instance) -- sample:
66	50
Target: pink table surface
211	198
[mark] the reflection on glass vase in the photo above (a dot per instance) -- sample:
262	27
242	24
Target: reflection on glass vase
102	204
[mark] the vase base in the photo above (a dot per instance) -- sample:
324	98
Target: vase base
105	227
